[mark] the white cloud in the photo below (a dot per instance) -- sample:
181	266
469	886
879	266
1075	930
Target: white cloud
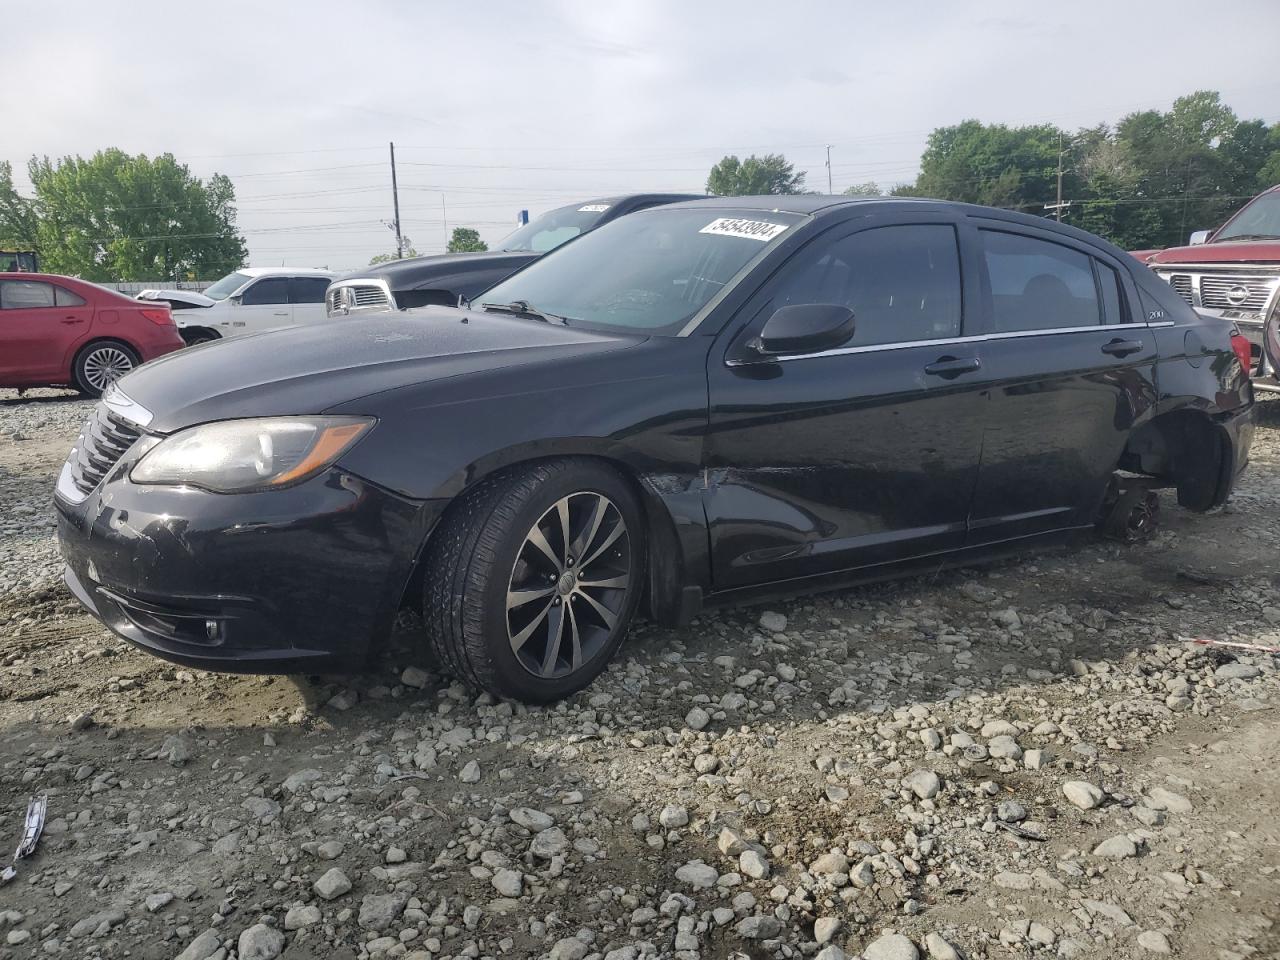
509	105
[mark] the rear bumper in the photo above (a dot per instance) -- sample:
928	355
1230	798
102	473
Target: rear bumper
1239	428
297	580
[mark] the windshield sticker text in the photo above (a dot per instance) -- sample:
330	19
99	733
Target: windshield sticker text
747	229
594	208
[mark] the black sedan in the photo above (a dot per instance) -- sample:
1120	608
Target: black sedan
444	278
697	403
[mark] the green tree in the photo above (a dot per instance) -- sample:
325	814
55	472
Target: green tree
770	174
868	189
466	240
120	217
388	257
1146	183
995	165
18	220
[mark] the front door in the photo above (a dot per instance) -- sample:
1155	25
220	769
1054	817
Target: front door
306	296
858	455
41	324
1070	365
263	306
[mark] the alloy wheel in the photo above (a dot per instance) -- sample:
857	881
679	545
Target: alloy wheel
105	365
568	585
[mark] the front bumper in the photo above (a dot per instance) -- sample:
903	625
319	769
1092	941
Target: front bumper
284	581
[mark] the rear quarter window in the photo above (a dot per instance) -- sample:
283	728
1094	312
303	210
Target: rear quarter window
1160	302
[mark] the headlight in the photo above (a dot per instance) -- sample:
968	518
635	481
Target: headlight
235	456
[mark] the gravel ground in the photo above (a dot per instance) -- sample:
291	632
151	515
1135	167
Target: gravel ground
1026	760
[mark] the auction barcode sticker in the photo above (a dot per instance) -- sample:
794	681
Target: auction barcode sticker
747	229
594	208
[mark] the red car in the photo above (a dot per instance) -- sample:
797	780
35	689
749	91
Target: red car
57	331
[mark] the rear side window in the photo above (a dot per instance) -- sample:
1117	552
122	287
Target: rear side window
65	298
270	290
901	282
1038	285
307	289
1113	302
25	294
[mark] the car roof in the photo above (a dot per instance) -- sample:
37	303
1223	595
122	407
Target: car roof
285	272
811	204
632	197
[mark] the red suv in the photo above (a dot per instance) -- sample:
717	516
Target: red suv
57	331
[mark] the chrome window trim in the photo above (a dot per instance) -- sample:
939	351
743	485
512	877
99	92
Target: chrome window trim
948	341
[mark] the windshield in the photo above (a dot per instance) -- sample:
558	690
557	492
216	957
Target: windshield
649	272
552	229
226	286
1259	218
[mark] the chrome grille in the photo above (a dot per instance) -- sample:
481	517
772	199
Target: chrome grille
1181	283
105	439
1236	293
358	296
369	297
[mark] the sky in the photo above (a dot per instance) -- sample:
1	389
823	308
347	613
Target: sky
500	106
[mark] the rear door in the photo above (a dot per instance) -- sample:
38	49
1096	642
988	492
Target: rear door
41	325
306	298
1070	365
264	305
858	455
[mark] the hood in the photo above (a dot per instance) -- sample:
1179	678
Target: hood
422	271
311	369
178	297
1228	251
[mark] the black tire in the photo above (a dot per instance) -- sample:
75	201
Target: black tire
101	363
477	553
198	336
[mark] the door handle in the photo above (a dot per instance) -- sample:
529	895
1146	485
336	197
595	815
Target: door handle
73	319
951	367
1122	348
280	313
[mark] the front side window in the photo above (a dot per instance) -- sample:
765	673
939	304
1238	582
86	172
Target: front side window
308	289
1038	285
272	290
648	272
552	229
901	282
25	295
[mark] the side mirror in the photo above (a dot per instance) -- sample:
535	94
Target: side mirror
1199	237
236	298
806	328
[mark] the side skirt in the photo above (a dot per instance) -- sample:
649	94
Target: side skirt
929	564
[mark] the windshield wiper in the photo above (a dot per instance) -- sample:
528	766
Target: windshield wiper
524	308
1248	236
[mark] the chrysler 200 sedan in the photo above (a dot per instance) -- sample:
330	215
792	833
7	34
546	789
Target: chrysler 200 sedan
700	402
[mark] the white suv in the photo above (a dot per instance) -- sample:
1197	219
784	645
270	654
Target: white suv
248	301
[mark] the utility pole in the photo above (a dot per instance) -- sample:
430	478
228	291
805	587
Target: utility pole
1061	205
444	216
1058	205
829	190
395	196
